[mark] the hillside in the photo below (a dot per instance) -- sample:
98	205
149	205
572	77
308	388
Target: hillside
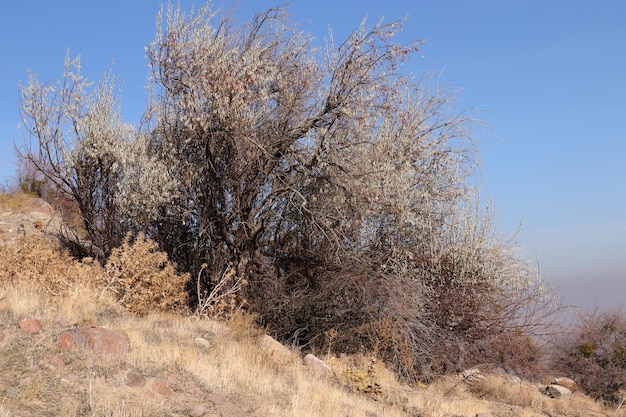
188	365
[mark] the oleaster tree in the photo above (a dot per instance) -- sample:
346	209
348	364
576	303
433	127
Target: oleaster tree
90	156
321	188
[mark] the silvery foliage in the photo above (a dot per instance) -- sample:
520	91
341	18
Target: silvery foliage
86	150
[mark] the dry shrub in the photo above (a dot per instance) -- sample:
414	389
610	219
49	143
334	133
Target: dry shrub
244	325
40	262
143	279
594	355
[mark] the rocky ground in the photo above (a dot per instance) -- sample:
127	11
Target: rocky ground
24	216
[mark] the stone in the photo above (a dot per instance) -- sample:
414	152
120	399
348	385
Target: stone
39	206
135	378
274	348
113	343
53	362
512	379
472	375
31	326
316	364
216	399
197	410
1	336
202	342
70	379
568	383
557	391
160	386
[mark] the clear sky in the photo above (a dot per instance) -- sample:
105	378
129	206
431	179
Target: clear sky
548	76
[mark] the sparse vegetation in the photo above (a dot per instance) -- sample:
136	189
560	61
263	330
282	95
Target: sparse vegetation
593	353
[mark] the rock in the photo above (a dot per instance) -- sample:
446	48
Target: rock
31	326
472	375
97	339
483	415
557	391
499	371
568	383
53	362
135	378
1	336
512	379
274	348
197	410
217	400
70	379
316	364
160	386
202	342
40	206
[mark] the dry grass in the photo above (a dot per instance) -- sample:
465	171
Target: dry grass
13	201
234	375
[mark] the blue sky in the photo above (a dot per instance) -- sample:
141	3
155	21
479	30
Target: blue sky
548	77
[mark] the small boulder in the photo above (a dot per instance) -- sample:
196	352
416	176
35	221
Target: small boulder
197	410
202	342
274	348
135	378
513	379
557	391
568	383
316	364
472	375
160	386
39	206
31	326
70	379
53	362
97	339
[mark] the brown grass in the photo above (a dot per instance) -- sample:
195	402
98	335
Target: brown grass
14	201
